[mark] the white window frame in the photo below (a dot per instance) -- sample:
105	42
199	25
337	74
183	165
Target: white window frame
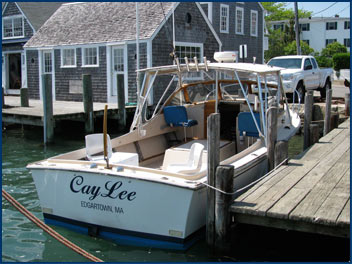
226	30
12	19
197	45
62	58
256	23
210	10
84	64
48	52
242	21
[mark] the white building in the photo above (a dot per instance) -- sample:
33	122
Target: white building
318	32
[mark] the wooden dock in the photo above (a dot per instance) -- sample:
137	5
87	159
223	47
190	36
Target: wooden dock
63	110
310	194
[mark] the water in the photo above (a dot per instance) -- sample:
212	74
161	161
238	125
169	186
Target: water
23	241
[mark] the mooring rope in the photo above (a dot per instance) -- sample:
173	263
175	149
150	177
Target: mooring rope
247	186
48	229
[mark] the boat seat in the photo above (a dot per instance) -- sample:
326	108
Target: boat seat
193	164
176	116
246	124
95	145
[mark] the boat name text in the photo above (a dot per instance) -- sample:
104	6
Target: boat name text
111	189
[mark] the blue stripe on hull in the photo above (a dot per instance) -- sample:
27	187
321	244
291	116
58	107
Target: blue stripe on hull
124	239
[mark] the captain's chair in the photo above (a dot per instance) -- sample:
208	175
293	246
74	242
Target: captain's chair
193	164
176	116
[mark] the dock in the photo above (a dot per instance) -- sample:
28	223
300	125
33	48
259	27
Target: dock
310	194
62	110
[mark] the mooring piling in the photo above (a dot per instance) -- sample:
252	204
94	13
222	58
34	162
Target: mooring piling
48	119
213	132
121	101
271	136
308	115
24	97
347	104
327	120
88	103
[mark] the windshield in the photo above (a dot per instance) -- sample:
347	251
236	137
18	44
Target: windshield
292	63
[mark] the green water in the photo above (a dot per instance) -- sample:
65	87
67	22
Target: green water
22	241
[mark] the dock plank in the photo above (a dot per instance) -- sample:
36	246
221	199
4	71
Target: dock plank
310	194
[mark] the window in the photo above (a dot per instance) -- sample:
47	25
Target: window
190	50
47	62
346	42
90	57
12	27
278	26
239	20
329	41
306	41
307	63
304	27
331	25
68	58
315	65
118	60
224	18
254	23
347	25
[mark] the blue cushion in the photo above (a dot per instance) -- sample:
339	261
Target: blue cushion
177	116
246	124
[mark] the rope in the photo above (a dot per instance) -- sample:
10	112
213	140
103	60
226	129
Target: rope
48	229
247	186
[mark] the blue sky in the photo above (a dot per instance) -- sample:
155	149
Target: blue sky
332	8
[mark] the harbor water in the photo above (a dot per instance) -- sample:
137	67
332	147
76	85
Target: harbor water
23	241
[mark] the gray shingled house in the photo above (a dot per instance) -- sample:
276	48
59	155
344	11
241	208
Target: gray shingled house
20	20
100	39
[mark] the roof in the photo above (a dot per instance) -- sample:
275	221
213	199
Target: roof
99	22
37	12
293	57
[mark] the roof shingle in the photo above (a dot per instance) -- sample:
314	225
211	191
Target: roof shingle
99	22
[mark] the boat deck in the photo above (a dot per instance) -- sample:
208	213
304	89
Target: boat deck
310	194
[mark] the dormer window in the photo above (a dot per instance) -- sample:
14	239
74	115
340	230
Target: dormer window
12	27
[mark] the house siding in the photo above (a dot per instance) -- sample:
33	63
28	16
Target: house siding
231	41
33	74
195	32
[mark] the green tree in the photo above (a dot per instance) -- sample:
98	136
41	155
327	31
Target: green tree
332	49
278	11
291	48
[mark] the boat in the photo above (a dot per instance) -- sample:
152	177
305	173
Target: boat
148	187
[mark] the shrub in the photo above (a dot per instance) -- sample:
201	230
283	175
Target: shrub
341	61
324	62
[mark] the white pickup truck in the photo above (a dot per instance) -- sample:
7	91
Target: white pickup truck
302	73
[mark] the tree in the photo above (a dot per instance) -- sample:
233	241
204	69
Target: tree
332	49
278	11
291	48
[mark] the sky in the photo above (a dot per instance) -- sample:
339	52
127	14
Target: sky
332	8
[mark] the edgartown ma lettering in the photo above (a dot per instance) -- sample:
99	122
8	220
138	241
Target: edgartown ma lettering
112	190
102	207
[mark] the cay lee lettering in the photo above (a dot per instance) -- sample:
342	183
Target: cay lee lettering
112	190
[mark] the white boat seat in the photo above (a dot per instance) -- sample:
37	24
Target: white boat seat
194	163
95	145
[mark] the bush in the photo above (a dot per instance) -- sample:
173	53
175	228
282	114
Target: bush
332	49
291	48
341	61
324	62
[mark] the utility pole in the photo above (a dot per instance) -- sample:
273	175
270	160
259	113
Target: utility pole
298	43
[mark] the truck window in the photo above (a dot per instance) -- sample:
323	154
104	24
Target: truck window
315	65
289	63
307	64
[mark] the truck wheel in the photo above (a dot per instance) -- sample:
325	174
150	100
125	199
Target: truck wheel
301	92
327	86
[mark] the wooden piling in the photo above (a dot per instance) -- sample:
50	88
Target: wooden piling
48	109
224	182
213	132
347	104
281	152
3	98
308	113
271	136
121	102
327	112
88	103
24	97
314	133
334	120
